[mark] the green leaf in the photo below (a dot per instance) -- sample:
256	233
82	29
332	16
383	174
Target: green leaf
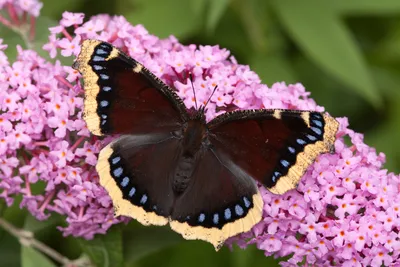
140	241
325	39
254	17
198	6
10	250
32	258
272	68
105	250
366	7
163	18
230	28
216	10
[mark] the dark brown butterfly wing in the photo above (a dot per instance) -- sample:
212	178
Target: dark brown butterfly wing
275	147
134	169
122	96
219	202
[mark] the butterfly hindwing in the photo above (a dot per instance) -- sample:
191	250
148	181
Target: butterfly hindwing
274	146
219	202
122	96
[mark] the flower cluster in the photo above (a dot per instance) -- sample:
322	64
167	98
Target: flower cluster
19	8
345	212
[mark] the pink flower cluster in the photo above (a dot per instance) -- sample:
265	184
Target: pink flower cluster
345	212
19	7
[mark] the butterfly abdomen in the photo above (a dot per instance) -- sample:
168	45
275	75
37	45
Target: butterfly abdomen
194	134
182	174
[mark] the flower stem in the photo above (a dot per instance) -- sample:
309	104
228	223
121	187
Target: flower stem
32	28
77	143
5	21
26	238
13	14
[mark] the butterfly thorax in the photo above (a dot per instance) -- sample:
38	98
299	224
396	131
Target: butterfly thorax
194	136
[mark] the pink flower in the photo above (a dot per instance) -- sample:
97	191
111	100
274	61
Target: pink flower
51	46
70	19
31	6
62	154
70	47
270	244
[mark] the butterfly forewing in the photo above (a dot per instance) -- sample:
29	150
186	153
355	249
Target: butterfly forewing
274	147
122	96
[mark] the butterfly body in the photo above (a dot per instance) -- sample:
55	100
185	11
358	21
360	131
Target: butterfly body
171	166
193	138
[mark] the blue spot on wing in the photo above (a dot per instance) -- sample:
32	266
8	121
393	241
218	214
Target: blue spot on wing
216	218
202	217
143	199
301	141
227	214
246	202
125	181
132	191
118	172
100	51
316	130
98	59
239	210
104	103
285	163
311	137
98	67
115	160
317	123
104	76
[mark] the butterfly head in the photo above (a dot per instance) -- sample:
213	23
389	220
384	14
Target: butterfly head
199	114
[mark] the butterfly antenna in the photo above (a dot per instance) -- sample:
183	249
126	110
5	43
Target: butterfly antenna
215	89
194	91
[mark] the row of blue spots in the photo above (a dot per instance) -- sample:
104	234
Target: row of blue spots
118	173
102	51
238	211
316	127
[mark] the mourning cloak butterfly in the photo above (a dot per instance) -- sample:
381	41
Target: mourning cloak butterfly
170	166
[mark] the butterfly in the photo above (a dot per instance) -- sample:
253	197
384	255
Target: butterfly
169	165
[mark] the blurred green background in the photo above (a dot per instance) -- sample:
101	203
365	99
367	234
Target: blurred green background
346	53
